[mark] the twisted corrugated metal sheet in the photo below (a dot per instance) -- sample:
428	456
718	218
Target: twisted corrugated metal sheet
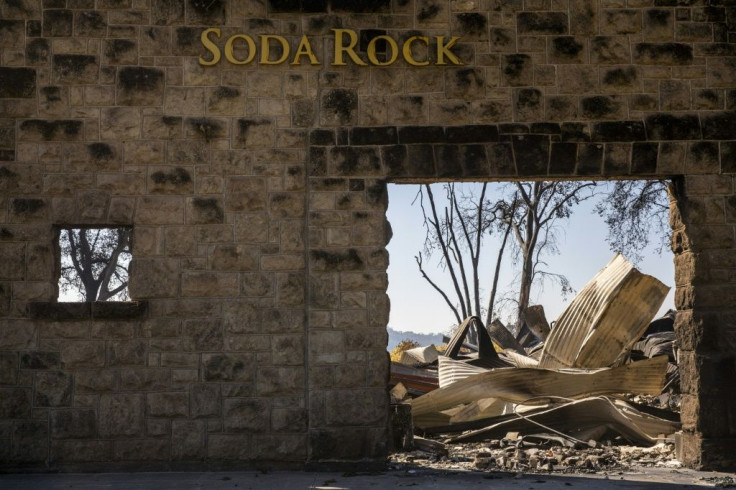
521	385
605	318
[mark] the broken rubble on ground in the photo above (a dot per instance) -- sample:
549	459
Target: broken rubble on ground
599	388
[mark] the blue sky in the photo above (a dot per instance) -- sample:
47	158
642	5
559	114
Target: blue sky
416	307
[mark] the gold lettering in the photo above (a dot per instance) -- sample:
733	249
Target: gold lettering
229	49
266	49
444	50
349	49
407	50
211	47
304	49
372	51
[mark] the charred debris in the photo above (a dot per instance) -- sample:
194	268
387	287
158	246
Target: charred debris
597	389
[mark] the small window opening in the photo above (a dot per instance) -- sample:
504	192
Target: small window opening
94	264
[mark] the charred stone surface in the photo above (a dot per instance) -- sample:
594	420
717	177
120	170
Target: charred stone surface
673	127
619	131
37	51
17	83
206	12
75	68
340	106
90	24
360	6
531	154
140	86
50	130
325	260
206	210
58	23
663	54
542	23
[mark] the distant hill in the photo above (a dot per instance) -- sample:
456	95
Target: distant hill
395	336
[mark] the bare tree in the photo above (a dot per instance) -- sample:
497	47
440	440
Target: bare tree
633	211
528	212
94	263
532	217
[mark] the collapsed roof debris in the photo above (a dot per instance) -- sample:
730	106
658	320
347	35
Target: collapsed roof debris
572	385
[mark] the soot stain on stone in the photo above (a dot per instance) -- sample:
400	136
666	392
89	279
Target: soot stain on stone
5	173
117	47
472	23
598	106
170	120
515	64
27	206
226	93
349	260
207	8
210	208
342	102
72	64
620	77
467	76
48	129
259	23
209	128
658	17
428	12
567	46
178	176
100	151
140	78
37	50
51	94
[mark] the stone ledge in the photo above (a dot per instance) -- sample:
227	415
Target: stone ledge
98	310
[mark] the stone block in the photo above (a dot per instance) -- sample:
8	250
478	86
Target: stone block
281	381
246	415
15	403
53	389
663	54
140	86
203	335
347	443
144	379
542	23
204	211
121	415
209	284
17	83
230	447
30	442
235	258
73	424
188	439
173	404
80	451
141	450
77	354
40	360
127	352
205	400
281	447
153	278
228	367
57	23
94	381
75	68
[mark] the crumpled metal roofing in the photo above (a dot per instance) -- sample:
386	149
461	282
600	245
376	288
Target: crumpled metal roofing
538	386
605	318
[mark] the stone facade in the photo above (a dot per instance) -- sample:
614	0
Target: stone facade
257	197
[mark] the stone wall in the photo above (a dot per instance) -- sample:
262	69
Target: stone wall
257	197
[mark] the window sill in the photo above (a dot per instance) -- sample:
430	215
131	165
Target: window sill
98	310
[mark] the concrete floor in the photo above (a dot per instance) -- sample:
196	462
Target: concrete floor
648	479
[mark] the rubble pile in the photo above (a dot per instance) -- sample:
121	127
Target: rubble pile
597	390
